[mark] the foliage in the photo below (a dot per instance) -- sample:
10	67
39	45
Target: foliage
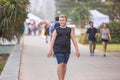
12	16
114	27
110	7
114	8
64	6
81	14
115	31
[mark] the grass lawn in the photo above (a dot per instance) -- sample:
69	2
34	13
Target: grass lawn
110	47
3	59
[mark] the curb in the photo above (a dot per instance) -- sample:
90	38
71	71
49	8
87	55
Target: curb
11	69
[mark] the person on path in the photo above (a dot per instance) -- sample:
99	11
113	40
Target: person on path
47	24
33	27
60	44
105	37
53	26
91	32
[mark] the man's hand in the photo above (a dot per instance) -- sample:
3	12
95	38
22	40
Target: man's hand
78	54
49	54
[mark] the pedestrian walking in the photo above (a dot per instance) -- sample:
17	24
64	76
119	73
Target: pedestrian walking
53	26
91	32
105	37
61	45
40	27
47	24
33	27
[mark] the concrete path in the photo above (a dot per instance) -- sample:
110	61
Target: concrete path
35	65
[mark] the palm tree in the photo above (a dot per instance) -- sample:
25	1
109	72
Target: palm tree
12	17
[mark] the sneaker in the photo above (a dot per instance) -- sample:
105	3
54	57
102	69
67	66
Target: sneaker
90	53
104	54
93	53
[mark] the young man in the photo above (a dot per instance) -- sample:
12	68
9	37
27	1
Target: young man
92	38
60	44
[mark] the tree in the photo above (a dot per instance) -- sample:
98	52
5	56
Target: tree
64	6
114	8
80	14
12	17
110	7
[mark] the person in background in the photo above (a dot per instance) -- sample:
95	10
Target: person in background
33	27
40	27
26	26
91	32
61	45
53	26
105	37
47	24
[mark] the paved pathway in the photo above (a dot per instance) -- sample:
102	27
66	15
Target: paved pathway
35	65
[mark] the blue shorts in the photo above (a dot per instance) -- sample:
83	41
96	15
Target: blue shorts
62	57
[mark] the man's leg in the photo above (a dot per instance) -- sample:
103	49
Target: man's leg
90	47
61	71
62	65
64	71
94	46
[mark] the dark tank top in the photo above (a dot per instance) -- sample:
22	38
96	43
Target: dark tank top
62	43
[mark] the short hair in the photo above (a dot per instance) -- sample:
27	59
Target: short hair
90	22
57	18
63	16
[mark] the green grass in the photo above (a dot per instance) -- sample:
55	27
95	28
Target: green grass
3	59
110	47
2	63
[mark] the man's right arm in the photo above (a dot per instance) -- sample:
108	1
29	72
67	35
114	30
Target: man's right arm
52	43
87	32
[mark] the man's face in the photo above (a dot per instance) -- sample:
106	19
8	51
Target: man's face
62	21
91	24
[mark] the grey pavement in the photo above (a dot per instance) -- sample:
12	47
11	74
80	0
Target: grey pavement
35	65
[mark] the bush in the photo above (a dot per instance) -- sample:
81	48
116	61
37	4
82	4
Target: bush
114	27
115	31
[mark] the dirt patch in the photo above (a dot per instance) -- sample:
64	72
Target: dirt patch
3	59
